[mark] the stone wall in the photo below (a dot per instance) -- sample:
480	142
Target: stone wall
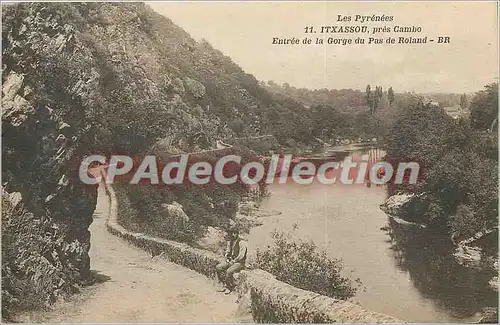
263	144
268	299
273	301
201	261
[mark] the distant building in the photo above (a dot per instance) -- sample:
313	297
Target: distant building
456	111
429	101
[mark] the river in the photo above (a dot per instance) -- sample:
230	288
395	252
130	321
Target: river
413	284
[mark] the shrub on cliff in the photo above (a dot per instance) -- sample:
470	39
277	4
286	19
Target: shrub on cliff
237	126
196	89
35	266
300	264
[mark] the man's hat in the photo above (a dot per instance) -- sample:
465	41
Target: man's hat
233	227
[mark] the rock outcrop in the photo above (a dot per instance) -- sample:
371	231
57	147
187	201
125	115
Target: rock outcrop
475	252
176	212
195	88
214	240
395	204
47	96
400	208
470	252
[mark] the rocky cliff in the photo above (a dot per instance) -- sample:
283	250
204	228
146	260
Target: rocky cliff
46	99
84	77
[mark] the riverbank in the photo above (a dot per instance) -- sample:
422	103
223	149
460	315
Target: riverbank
468	257
417	284
322	149
468	251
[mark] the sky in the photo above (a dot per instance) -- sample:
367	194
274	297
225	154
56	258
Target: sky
245	31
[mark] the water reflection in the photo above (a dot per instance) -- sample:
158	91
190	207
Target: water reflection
428	259
409	275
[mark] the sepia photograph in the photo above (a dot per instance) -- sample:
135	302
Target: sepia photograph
250	162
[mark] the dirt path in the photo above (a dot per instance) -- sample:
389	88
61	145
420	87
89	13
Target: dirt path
136	288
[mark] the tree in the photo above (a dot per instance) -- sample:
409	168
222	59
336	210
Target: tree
369	97
377	97
390	96
272	84
463	101
484	107
453	193
373	99
237	126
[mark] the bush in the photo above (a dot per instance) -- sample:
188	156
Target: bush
237	126
34	264
141	209
301	264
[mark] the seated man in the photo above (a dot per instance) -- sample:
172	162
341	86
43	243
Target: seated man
236	254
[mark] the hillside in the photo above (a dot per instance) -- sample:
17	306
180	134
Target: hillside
87	78
81	78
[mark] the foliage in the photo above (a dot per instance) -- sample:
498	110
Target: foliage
300	264
237	126
390	96
33	255
369	97
330	114
484	108
143	209
464	101
458	182
373	99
